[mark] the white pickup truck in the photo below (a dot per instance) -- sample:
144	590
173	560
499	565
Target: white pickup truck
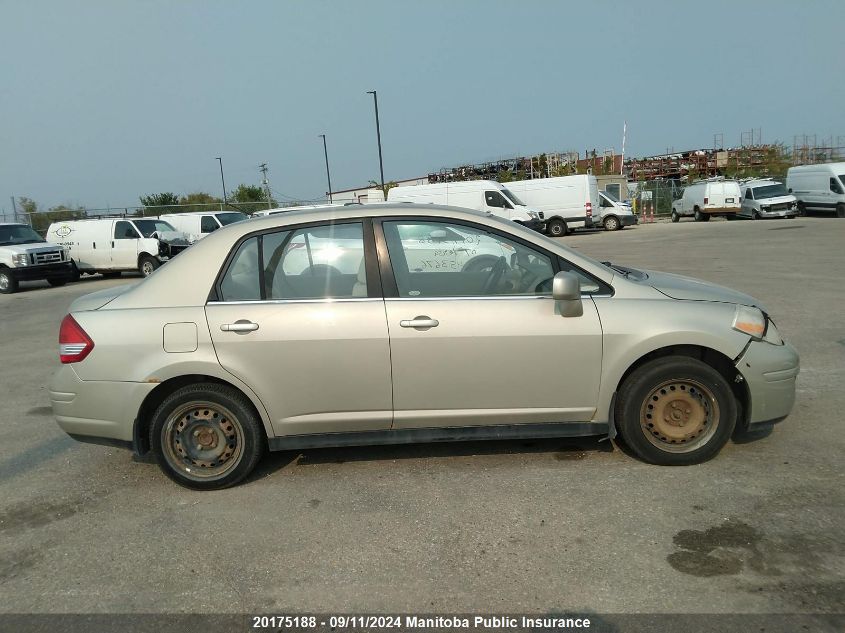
26	256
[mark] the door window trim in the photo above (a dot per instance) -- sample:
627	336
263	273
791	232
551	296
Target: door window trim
371	264
388	279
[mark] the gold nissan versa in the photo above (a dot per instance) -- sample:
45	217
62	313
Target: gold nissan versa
387	324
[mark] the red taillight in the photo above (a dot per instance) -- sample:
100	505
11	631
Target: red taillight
705	200
589	207
74	343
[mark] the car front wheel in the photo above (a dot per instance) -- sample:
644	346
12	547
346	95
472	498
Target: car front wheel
675	411
8	283
675	216
147	266
556	228
611	223
207	436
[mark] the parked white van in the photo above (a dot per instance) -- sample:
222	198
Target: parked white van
113	245
708	198
818	187
566	202
766	198
482	195
25	256
614	214
197	225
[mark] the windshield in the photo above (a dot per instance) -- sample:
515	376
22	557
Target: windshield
230	218
510	196
770	191
148	227
18	234
610	196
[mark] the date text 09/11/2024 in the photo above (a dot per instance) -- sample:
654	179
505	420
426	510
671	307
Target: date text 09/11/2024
416	622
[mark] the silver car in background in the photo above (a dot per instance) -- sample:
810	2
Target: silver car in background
409	323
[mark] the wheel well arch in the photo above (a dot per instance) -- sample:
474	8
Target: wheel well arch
604	218
141	428
715	359
143	254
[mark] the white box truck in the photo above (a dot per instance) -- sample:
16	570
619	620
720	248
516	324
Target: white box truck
197	225
487	196
25	256
114	245
818	187
708	198
566	202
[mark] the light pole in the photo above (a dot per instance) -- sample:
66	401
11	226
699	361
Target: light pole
225	200
328	174
378	136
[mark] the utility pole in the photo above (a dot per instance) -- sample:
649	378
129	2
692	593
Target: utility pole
378	136
225	200
328	174
14	208
266	183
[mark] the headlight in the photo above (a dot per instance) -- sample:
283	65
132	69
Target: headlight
20	260
534	215
750	321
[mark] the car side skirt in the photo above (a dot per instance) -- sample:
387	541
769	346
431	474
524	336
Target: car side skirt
445	434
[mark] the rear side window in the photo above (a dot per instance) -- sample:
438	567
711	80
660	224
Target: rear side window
241	281
208	224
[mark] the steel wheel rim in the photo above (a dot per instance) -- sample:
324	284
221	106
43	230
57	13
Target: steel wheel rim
611	224
147	269
4	281
679	416
203	441
556	230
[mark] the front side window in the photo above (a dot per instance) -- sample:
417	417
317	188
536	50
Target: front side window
125	231
605	202
440	259
496	199
208	224
748	195
835	187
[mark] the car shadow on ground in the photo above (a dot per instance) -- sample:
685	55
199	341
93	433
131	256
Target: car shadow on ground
562	449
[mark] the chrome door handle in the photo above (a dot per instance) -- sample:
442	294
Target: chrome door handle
422	322
239	326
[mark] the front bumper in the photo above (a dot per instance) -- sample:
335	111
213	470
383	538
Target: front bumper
96	410
770	372
534	224
628	220
784	213
37	272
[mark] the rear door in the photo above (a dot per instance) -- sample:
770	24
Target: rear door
299	317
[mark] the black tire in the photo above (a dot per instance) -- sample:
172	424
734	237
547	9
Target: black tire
75	274
110	274
755	215
214	414
802	210
57	283
840	210
147	265
8	284
611	223
675	216
556	228
685	391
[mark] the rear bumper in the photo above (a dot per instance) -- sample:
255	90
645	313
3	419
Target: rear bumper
770	371
97	410
43	271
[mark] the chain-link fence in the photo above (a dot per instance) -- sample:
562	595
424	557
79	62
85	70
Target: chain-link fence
655	196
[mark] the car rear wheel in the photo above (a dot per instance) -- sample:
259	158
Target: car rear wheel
147	265
701	217
8	284
556	228
840	210
207	436
802	210
675	411
611	223
675	216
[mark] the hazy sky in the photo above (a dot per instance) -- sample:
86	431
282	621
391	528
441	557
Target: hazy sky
101	102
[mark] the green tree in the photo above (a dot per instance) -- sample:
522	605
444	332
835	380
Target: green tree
27	205
250	198
41	221
158	203
199	201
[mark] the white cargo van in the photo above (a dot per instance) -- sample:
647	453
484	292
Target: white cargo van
766	198
566	202
482	195
25	256
197	225
818	187
113	245
708	198
614	214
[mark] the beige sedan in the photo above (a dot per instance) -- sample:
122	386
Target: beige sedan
388	324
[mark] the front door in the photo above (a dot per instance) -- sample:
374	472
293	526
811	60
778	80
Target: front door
299	320
124	251
475	345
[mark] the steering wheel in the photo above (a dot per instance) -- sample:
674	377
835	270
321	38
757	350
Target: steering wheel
496	273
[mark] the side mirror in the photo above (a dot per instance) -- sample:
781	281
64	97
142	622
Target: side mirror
566	291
